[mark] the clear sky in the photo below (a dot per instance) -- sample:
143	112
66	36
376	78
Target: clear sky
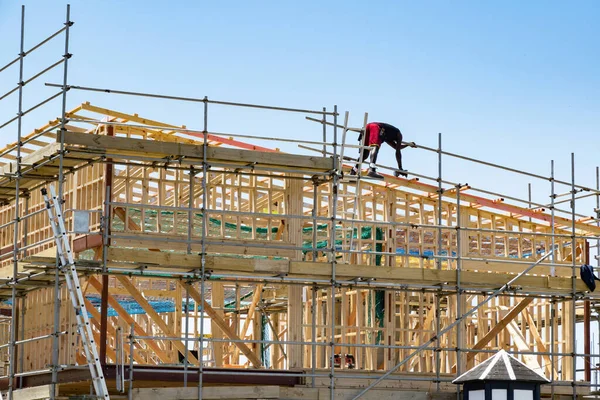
510	82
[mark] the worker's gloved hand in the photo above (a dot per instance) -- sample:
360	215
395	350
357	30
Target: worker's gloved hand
400	173
412	144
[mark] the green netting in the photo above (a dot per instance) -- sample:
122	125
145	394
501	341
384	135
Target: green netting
166	224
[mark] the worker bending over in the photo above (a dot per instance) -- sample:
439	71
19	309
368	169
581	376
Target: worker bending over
374	135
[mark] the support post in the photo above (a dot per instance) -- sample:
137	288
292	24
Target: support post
294	206
218	302
110	131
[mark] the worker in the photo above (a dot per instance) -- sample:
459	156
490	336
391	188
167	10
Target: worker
376	134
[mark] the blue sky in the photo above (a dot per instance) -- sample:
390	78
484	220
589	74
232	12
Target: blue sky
510	82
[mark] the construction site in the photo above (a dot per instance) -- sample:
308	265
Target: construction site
141	259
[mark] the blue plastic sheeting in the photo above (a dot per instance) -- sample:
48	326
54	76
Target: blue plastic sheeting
133	308
426	253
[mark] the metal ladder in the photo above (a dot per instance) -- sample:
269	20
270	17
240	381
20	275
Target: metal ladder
67	267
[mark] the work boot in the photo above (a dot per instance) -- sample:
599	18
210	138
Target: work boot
353	171
373	174
399	173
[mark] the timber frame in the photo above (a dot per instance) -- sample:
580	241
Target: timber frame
210	260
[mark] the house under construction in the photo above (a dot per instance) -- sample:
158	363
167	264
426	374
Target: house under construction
212	267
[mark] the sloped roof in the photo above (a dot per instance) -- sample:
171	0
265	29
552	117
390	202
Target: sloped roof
501	367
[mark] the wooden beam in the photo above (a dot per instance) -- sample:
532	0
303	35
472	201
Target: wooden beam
218	303
219	246
221	323
418	329
164	261
510	267
132	147
208	393
129	320
230	141
432	276
110	328
193	261
250	315
34	393
154	316
539	341
522	345
499	327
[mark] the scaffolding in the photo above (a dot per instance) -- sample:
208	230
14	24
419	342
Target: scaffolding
207	260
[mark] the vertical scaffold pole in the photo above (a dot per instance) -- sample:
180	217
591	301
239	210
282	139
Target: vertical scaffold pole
314	336
187	334
13	322
597	210
552	259
439	263
324	131
552	199
205	168
63	121
61	177
574	282
458	291
131	350
334	189
187	292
